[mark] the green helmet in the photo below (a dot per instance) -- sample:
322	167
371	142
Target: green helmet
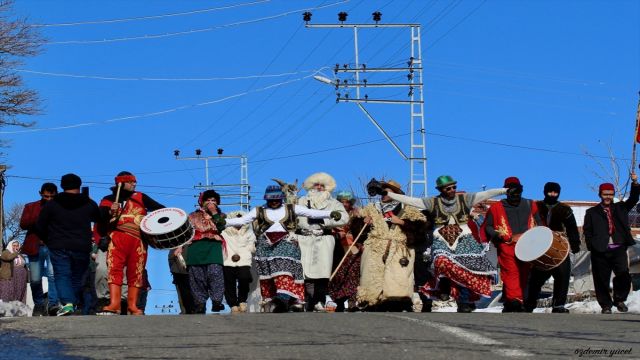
444	180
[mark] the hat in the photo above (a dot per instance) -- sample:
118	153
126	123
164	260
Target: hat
70	182
444	180
512	181
125	176
393	185
273	192
320	178
606	186
208	194
345	195
551	186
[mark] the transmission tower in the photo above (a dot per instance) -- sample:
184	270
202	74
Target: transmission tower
417	153
239	192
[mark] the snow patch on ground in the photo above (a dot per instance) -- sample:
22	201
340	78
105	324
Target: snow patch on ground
14	309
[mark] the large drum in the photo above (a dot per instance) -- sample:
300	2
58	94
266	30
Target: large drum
166	228
543	248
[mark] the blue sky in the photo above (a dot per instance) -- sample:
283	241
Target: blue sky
512	88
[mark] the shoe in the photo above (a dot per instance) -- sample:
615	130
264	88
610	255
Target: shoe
606	310
38	310
66	310
53	310
242	307
464	308
620	305
296	308
279	306
560	310
216	306
235	309
319	308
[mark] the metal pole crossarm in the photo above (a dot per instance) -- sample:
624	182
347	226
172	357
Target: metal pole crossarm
217	185
325	26
211	157
364	70
379	101
370	85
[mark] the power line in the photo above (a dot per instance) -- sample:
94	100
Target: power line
194	31
142	78
156	113
456	25
151	17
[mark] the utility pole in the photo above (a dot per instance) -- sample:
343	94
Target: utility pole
417	153
242	188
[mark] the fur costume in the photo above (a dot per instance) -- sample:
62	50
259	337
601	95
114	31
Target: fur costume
380	280
320	178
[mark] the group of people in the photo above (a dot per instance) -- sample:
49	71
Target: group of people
304	250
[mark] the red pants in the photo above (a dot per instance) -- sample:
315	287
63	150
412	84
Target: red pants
126	251
281	284
513	272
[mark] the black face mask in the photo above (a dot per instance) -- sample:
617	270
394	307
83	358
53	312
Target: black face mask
551	200
514	195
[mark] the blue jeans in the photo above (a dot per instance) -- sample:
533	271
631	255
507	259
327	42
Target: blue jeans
70	267
37	269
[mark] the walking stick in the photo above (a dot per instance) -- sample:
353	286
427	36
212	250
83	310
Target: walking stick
348	251
636	138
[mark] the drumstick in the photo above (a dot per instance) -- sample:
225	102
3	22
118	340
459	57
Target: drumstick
117	196
348	251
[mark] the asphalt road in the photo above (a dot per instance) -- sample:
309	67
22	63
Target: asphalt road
317	336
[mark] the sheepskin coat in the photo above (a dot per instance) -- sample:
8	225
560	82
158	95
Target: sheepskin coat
241	242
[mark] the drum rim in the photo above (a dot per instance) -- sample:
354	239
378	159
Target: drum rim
519	254
151	215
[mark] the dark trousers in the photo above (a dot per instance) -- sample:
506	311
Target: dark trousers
236	284
561	275
315	291
181	281
602	264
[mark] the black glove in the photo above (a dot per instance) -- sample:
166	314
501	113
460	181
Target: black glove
374	187
575	249
103	244
335	215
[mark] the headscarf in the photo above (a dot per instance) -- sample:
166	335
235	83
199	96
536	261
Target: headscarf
18	261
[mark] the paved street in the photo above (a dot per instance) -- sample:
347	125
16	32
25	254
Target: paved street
327	336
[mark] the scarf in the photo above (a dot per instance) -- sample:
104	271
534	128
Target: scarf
18	261
607	211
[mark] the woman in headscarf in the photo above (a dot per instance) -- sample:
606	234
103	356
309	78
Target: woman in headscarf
13	274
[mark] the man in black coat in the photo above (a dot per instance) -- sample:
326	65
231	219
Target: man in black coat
65	226
607	235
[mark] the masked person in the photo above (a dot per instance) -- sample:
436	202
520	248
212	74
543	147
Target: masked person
558	217
386	278
608	235
504	224
277	253
241	245
458	257
122	211
316	239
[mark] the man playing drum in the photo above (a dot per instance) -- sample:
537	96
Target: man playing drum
122	212
558	217
506	221
607	235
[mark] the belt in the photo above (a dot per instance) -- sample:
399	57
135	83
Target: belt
305	232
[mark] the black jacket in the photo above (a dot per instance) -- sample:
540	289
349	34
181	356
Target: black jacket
596	227
562	220
65	222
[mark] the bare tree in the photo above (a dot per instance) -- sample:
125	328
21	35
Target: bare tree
18	40
610	170
12	224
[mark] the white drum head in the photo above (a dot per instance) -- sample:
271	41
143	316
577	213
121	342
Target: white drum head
534	243
163	221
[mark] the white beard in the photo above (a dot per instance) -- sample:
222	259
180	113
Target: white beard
319	199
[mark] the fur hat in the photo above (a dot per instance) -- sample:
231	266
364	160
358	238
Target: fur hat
393	185
606	186
70	182
208	194
551	186
512	181
320	178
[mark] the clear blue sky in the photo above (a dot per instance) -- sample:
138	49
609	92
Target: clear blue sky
547	79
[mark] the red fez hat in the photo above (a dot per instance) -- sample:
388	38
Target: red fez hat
511	181
606	186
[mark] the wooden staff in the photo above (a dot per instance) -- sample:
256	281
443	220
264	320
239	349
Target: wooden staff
348	251
117	197
635	139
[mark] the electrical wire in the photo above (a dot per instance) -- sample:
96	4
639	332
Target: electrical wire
194	31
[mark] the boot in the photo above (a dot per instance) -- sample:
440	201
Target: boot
132	299
115	292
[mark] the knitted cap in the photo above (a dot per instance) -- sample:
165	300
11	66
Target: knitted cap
606	186
551	186
70	182
511	181
444	180
273	192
